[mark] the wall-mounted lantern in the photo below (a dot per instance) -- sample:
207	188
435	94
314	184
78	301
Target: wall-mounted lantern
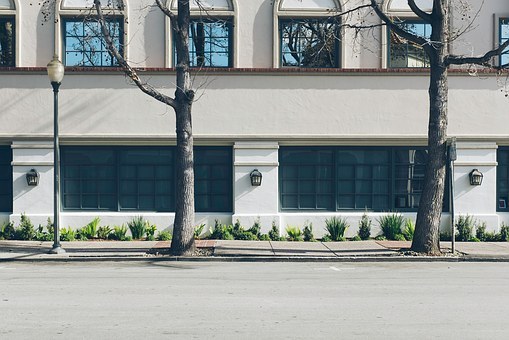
475	177
32	178
256	178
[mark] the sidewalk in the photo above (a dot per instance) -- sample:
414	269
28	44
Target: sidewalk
216	250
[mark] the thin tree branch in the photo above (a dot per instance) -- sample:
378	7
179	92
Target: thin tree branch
165	10
128	70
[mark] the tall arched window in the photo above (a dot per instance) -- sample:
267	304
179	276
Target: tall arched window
79	32
211	36
402	53
306	33
7	33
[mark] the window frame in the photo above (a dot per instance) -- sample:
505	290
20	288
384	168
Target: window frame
335	206
498	37
12	13
77	19
337	43
118	165
502	167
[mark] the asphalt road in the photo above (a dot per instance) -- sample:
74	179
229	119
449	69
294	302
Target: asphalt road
168	300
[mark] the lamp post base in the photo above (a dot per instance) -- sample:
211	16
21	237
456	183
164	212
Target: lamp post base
57	250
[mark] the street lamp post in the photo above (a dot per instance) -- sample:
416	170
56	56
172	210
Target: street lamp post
56	74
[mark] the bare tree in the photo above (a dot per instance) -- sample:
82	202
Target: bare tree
426	237
183	232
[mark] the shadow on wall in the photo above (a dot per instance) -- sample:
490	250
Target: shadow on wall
262	55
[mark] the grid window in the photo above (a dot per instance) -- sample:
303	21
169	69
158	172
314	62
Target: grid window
142	178
503	36
404	53
502	178
7	41
333	179
210	42
84	44
5	179
309	42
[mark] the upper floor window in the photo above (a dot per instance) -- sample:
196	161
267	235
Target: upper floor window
307	34
7	33
82	39
404	53
503	36
503	179
310	42
211	37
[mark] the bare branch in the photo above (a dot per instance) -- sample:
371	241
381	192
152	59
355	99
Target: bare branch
482	60
165	10
420	13
398	30
128	70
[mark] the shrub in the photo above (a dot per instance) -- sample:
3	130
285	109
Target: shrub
409	230
307	233
504	232
480	231
222	232
274	232
42	235
336	226
137	227
150	231
294	234
391	225
25	230
198	230
445	236
364	227
119	233
264	237
356	238
90	230
326	238
164	235
464	227
67	234
7	231
256	228
104	232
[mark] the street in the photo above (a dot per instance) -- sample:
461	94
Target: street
163	300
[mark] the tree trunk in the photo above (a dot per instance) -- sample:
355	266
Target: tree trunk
183	231
427	227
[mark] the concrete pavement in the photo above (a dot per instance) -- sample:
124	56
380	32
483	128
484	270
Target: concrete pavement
219	250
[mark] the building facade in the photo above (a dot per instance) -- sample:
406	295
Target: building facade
334	119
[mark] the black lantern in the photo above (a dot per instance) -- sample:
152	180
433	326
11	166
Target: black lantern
32	178
475	177
256	178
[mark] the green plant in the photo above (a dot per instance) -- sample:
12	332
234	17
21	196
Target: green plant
150	231
391	225
326	238
256	228
307	232
7	231
119	233
445	236
336	226
164	235
409	230
364	227
465	226
504	232
294	233
198	230
264	237
45	235
356	238
137	227
480	232
221	231
104	232
90	230
274	232
67	234
25	230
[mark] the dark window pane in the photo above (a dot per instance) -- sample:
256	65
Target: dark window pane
403	53
5	179
7	42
